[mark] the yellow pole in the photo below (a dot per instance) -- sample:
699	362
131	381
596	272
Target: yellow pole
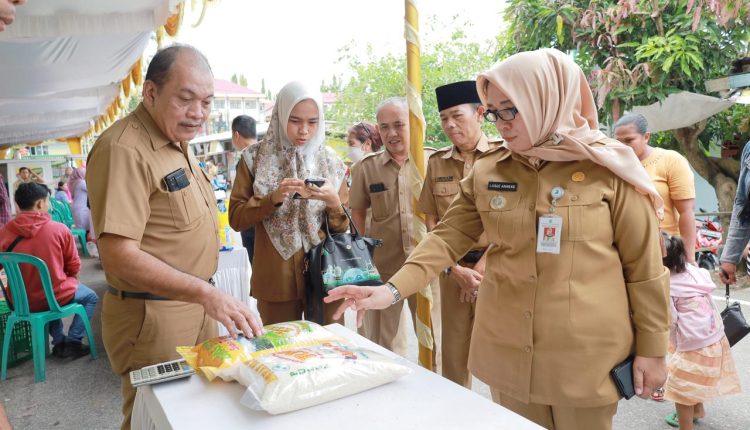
416	133
74	145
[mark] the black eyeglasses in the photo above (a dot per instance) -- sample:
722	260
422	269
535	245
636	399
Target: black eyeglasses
367	132
492	115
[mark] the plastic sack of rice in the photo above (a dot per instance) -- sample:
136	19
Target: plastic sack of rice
212	357
292	333
214	354
280	381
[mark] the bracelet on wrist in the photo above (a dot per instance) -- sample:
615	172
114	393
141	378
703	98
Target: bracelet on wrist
395	292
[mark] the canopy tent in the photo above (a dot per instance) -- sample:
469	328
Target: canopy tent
64	61
681	110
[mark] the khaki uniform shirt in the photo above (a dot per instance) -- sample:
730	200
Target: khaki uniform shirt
379	183
550	327
128	197
274	279
445	168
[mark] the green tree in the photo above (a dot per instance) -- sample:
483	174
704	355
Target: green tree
636	52
375	79
234	78
243	80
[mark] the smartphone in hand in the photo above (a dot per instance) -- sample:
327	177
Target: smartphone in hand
318	182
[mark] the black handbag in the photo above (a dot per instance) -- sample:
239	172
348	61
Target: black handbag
340	259
735	325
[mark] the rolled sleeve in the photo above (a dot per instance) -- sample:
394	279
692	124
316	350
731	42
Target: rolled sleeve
119	190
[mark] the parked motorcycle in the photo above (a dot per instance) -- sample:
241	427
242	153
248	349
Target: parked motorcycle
708	239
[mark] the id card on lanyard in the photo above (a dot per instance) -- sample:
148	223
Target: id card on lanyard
549	234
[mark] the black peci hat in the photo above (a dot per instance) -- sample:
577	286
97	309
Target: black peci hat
456	94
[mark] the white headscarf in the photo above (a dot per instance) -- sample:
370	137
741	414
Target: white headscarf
295	224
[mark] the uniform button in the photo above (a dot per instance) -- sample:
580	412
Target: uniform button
527	314
134	125
527	349
573	198
532	278
531	206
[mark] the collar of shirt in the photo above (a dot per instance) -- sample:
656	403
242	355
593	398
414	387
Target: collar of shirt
385	157
482	146
158	140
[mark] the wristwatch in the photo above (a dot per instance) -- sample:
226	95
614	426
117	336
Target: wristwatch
394	291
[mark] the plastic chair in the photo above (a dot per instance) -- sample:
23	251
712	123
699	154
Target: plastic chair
61	213
37	320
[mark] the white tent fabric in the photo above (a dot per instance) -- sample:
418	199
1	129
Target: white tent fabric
681	110
63	60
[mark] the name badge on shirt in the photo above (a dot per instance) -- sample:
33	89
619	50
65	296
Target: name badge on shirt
444	179
502	186
376	188
549	234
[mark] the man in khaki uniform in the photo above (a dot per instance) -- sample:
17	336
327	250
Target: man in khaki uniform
155	215
461	120
384	182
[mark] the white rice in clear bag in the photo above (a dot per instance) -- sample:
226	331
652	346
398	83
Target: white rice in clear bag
287	380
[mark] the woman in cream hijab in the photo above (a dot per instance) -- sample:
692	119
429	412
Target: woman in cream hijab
269	176
575	283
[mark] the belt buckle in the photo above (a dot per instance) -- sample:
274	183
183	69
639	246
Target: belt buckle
117	293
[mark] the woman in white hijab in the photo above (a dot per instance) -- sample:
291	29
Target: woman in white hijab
270	180
575	283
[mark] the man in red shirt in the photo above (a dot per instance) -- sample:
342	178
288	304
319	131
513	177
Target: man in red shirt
54	244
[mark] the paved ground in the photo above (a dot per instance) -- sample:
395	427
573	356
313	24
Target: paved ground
84	394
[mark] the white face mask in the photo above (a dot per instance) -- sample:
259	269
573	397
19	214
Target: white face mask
355	153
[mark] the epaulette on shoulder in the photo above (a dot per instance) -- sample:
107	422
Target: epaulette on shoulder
438	151
499	151
371	155
495	143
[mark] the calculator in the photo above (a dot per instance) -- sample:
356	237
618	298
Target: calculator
161	372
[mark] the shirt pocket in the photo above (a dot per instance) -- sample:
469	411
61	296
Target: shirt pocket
585	215
184	205
500	213
381	204
444	193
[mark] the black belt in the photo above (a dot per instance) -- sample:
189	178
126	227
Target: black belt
473	256
143	296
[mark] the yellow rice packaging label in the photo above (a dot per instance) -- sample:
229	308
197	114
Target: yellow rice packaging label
214	356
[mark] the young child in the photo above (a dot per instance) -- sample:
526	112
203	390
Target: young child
701	367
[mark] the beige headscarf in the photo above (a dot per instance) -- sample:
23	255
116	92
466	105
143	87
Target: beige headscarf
554	99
